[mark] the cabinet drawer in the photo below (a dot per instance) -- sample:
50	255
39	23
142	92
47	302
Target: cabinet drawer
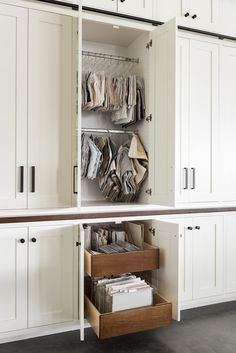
129	321
113	264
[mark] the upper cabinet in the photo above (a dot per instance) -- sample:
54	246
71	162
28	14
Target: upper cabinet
37	108
228	17
202	14
109	5
142	8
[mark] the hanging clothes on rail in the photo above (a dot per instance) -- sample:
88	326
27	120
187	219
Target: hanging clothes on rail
120	171
123	97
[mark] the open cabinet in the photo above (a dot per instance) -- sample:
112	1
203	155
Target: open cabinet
158	262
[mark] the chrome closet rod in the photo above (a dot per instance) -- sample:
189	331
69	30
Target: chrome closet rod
109	56
107	131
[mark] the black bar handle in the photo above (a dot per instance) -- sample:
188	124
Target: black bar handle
185	178
194	16
194	178
187	14
33	179
21	179
75	170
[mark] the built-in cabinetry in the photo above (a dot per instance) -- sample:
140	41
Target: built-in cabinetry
37	108
38	276
229	250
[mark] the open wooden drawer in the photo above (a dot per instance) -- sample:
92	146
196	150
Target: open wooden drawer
129	321
113	264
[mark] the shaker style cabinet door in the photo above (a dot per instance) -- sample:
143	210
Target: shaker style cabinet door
208	244
227	123
165	10
109	5
13	107
51	275
139	8
50	110
13	279
227	17
229	255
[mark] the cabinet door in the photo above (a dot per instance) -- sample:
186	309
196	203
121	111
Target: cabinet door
13	279
50	110
229	254
203	120
13	107
167	238
109	5
51	275
227	123
227	17
204	14
207	257
141	8
164	10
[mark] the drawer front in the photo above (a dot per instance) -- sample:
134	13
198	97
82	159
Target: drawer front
129	321
114	264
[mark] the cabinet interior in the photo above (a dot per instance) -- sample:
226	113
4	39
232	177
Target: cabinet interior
127	42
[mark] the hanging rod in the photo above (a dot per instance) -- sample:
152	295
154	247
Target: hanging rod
113	132
109	56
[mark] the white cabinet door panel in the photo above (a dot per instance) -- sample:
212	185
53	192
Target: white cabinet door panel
165	10
51	275
208	244
50	109
227	17
13	106
227	123
203	120
109	5
207	12
230	251
139	8
13	279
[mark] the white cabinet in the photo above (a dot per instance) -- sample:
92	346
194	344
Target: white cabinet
141	8
227	17
13	107
198	119
13	279
203	14
51	275
37	109
227	122
38	276
50	110
230	251
109	5
184	156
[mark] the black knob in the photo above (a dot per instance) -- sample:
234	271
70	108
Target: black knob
33	240
197	227
122	0
190	228
186	14
194	16
22	241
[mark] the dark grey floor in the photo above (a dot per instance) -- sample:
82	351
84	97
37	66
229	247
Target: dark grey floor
206	330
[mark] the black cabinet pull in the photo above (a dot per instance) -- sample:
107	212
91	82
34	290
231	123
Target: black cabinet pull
34	240
21	179
190	228
122	0
186	14
194	178
194	16
75	171
198	227
22	241
33	179
185	178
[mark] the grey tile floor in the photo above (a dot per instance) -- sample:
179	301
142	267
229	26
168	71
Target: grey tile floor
210	329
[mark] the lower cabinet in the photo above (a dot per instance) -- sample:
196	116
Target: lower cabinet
157	263
230	254
38	280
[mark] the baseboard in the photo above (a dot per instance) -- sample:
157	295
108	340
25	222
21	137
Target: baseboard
40	331
208	301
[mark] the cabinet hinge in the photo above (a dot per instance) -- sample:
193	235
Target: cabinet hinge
149	44
153	231
149	192
149	118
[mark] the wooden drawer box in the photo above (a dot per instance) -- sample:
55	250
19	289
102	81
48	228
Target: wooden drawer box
128	321
113	264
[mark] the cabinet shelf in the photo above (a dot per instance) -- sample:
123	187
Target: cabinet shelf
129	321
113	264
